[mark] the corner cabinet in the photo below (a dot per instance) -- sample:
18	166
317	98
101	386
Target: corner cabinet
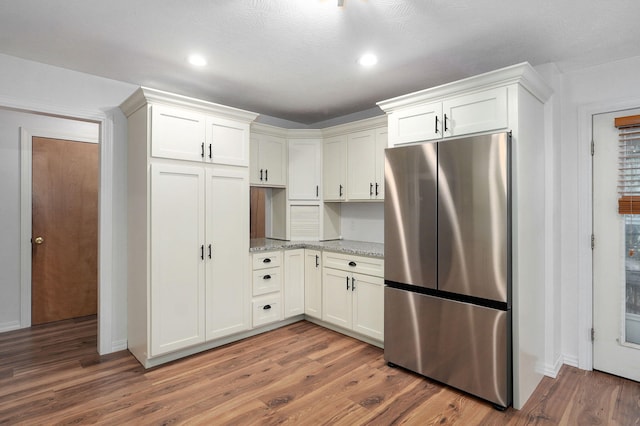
188	224
510	99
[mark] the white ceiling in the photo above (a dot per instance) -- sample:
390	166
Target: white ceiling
297	59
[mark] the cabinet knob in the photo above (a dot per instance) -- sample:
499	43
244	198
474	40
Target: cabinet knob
266	260
352	263
266	277
266	307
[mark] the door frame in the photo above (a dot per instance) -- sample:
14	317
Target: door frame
585	221
26	208
106	122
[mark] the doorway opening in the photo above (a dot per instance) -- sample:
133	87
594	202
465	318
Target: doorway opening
64	255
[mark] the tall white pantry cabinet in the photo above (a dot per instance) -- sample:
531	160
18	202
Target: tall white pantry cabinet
188	223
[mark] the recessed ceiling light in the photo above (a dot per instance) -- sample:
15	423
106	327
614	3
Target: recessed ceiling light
368	60
197	60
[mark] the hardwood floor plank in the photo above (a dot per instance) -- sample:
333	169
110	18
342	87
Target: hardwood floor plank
301	374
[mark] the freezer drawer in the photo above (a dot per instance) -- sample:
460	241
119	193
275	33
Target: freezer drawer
463	345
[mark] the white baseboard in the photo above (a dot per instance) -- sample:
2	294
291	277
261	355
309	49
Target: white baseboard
118	345
552	370
9	326
571	360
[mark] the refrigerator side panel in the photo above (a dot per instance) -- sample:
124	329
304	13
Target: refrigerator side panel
410	221
463	345
473	217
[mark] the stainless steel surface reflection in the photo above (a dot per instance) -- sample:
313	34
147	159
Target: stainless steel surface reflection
460	344
473	219
410	209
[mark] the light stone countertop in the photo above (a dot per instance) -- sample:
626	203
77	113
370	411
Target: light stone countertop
360	248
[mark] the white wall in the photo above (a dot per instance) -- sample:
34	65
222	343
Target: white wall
608	84
42	88
362	222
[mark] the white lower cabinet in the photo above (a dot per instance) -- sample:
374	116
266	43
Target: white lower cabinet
266	287
353	300
294	273
313	283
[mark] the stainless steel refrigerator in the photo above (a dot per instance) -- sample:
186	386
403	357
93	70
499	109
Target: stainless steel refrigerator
447	251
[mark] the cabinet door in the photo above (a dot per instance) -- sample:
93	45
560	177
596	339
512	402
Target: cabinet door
304	169
361	153
420	123
368	305
177	265
336	297
381	144
313	283
272	157
227	244
293	282
177	133
478	112
227	142
334	168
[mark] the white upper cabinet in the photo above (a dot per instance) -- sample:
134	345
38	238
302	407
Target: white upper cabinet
227	142
421	123
365	165
268	165
334	168
361	156
476	112
177	133
305	169
182	134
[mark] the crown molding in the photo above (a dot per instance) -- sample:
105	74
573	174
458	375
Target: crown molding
522	74
145	95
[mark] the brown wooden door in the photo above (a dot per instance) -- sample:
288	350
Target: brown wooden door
64	268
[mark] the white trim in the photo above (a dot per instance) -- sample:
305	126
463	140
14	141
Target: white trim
585	224
25	227
9	326
552	370
571	361
105	231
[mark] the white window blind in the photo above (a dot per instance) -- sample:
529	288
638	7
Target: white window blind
629	164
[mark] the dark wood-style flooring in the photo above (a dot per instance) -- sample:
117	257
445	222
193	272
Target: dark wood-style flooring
301	374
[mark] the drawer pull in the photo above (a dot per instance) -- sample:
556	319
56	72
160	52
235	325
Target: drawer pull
267	260
352	263
266	307
266	277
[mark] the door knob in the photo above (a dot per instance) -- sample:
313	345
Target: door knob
38	240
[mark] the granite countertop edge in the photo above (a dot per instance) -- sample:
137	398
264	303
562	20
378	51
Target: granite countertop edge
361	248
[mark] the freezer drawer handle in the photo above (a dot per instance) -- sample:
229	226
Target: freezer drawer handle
266	307
266	277
352	263
267	260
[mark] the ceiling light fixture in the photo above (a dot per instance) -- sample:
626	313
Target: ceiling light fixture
368	60
197	60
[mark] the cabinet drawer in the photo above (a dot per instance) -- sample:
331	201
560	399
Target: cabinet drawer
352	263
267	309
267	281
268	259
